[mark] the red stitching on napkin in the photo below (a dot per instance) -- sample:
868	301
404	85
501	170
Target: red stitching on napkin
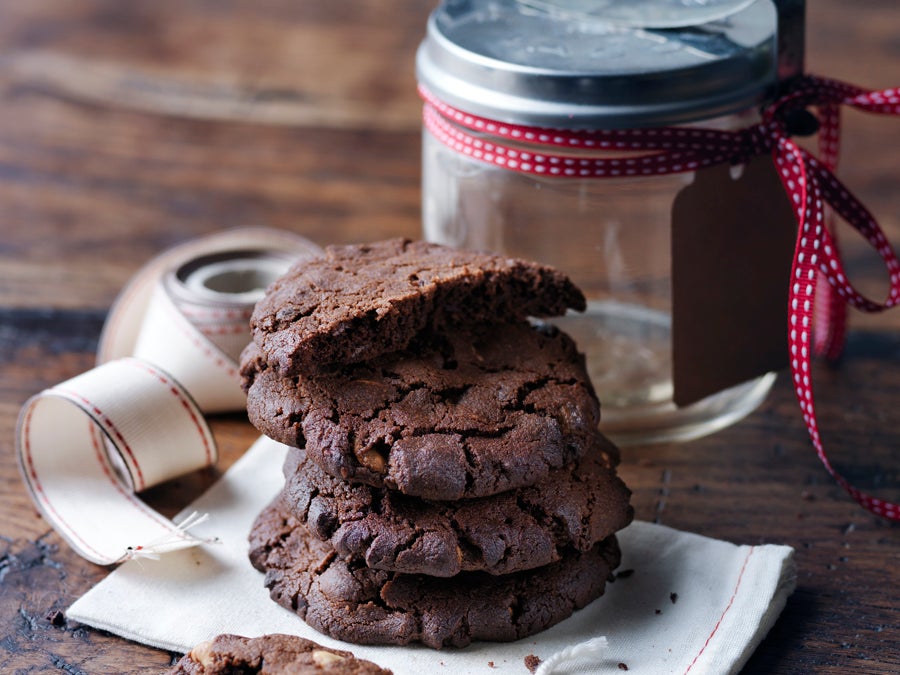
737	585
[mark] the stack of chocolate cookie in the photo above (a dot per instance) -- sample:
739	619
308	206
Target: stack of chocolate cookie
445	481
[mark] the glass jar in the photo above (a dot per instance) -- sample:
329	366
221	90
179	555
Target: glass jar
589	66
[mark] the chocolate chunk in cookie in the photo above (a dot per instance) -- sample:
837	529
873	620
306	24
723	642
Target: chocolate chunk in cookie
274	654
462	413
575	507
356	302
352	602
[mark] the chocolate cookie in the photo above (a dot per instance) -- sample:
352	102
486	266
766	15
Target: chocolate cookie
356	302
274	654
463	413
352	602
575	507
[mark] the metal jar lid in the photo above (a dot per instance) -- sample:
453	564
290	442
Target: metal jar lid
541	63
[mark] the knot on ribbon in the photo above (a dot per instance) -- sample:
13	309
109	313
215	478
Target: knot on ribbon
809	182
760	139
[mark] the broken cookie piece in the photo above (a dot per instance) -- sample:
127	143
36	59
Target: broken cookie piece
274	654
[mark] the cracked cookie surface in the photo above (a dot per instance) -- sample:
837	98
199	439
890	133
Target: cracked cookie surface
461	413
575	507
354	303
272	654
349	601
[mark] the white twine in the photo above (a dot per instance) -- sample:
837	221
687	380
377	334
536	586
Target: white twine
171	541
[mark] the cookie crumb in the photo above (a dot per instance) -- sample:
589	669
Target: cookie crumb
622	666
532	662
624	574
490	664
56	618
673	597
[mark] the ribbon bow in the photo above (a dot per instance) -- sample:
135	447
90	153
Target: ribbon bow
810	184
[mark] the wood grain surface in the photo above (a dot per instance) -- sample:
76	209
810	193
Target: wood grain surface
128	127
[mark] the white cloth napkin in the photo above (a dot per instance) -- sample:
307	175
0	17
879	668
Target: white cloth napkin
691	604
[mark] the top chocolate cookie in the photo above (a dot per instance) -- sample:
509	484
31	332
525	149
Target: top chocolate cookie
357	302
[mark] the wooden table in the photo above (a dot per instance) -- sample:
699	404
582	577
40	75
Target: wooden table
128	127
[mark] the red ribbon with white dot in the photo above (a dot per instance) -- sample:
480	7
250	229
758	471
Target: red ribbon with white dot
810	183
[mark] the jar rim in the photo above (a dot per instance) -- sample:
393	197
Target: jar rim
469	59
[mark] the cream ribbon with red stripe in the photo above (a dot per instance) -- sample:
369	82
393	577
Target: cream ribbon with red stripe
168	355
189	329
809	182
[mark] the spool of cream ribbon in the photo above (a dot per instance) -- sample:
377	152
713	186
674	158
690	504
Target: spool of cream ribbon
168	355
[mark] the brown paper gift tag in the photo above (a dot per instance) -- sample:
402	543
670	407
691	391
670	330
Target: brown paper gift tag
732	246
